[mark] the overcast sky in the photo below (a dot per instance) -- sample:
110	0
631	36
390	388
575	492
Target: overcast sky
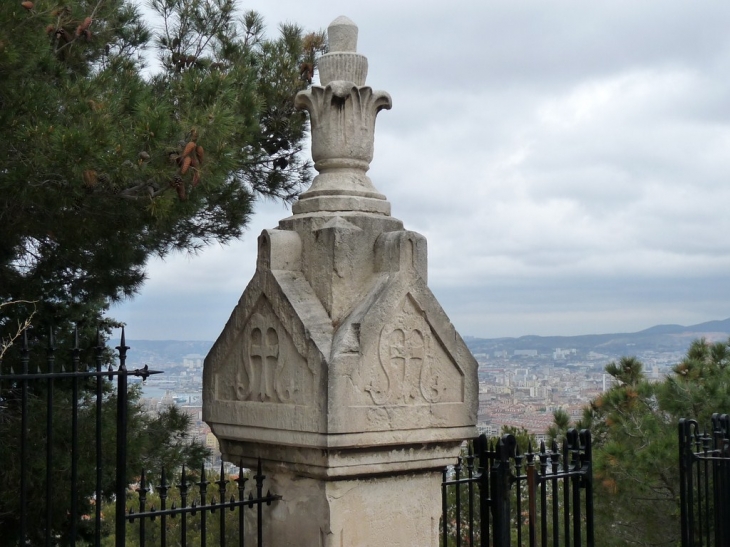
568	162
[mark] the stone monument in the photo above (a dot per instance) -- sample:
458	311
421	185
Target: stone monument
338	367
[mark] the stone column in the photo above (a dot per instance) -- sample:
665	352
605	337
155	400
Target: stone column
338	367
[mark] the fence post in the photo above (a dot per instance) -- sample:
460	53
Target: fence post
481	448
24	360
685	476
574	448
121	486
531	473
50	360
587	444
500	483
720	477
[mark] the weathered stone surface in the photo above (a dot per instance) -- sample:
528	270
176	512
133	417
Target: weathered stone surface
342	112
338	367
356	327
376	512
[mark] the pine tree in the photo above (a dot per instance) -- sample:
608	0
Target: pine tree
635	445
105	163
104	166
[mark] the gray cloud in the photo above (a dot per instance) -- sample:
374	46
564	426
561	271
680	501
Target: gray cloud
567	161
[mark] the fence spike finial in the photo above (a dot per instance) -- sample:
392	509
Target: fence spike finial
122	349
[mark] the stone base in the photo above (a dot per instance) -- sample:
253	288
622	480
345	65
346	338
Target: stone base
401	511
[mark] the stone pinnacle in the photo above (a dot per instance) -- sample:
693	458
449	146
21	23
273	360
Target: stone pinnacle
342	35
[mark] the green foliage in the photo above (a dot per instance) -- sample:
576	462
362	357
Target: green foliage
97	175
105	164
634	427
559	429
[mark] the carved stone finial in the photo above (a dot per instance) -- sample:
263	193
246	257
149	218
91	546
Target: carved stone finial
342	62
342	35
342	112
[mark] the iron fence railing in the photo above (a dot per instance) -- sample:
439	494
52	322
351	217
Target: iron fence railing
704	474
63	391
179	512
494	496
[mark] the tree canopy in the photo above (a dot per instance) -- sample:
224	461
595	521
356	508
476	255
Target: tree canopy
106	162
635	442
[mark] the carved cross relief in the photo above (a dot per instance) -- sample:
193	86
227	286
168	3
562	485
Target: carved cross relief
408	373
263	358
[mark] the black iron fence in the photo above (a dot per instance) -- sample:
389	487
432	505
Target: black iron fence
40	401
704	472
179	511
497	497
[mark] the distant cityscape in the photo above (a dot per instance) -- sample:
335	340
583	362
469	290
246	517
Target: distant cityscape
522	381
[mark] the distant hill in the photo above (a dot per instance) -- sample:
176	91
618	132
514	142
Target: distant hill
660	338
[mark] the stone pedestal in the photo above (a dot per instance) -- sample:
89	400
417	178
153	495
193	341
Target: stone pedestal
338	367
383	511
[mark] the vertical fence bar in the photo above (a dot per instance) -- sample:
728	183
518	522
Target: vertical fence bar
574	445
555	461
121	486
163	505
470	490
444	511
530	471
183	487
75	354
203	488
703	515
24	360
142	492
577	536
457	488
51	359
485	496
222	482
709	445
499	477
587	443
724	484
543	496
566	495
241	480
259	507
518	495
698	479
98	350
683	434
